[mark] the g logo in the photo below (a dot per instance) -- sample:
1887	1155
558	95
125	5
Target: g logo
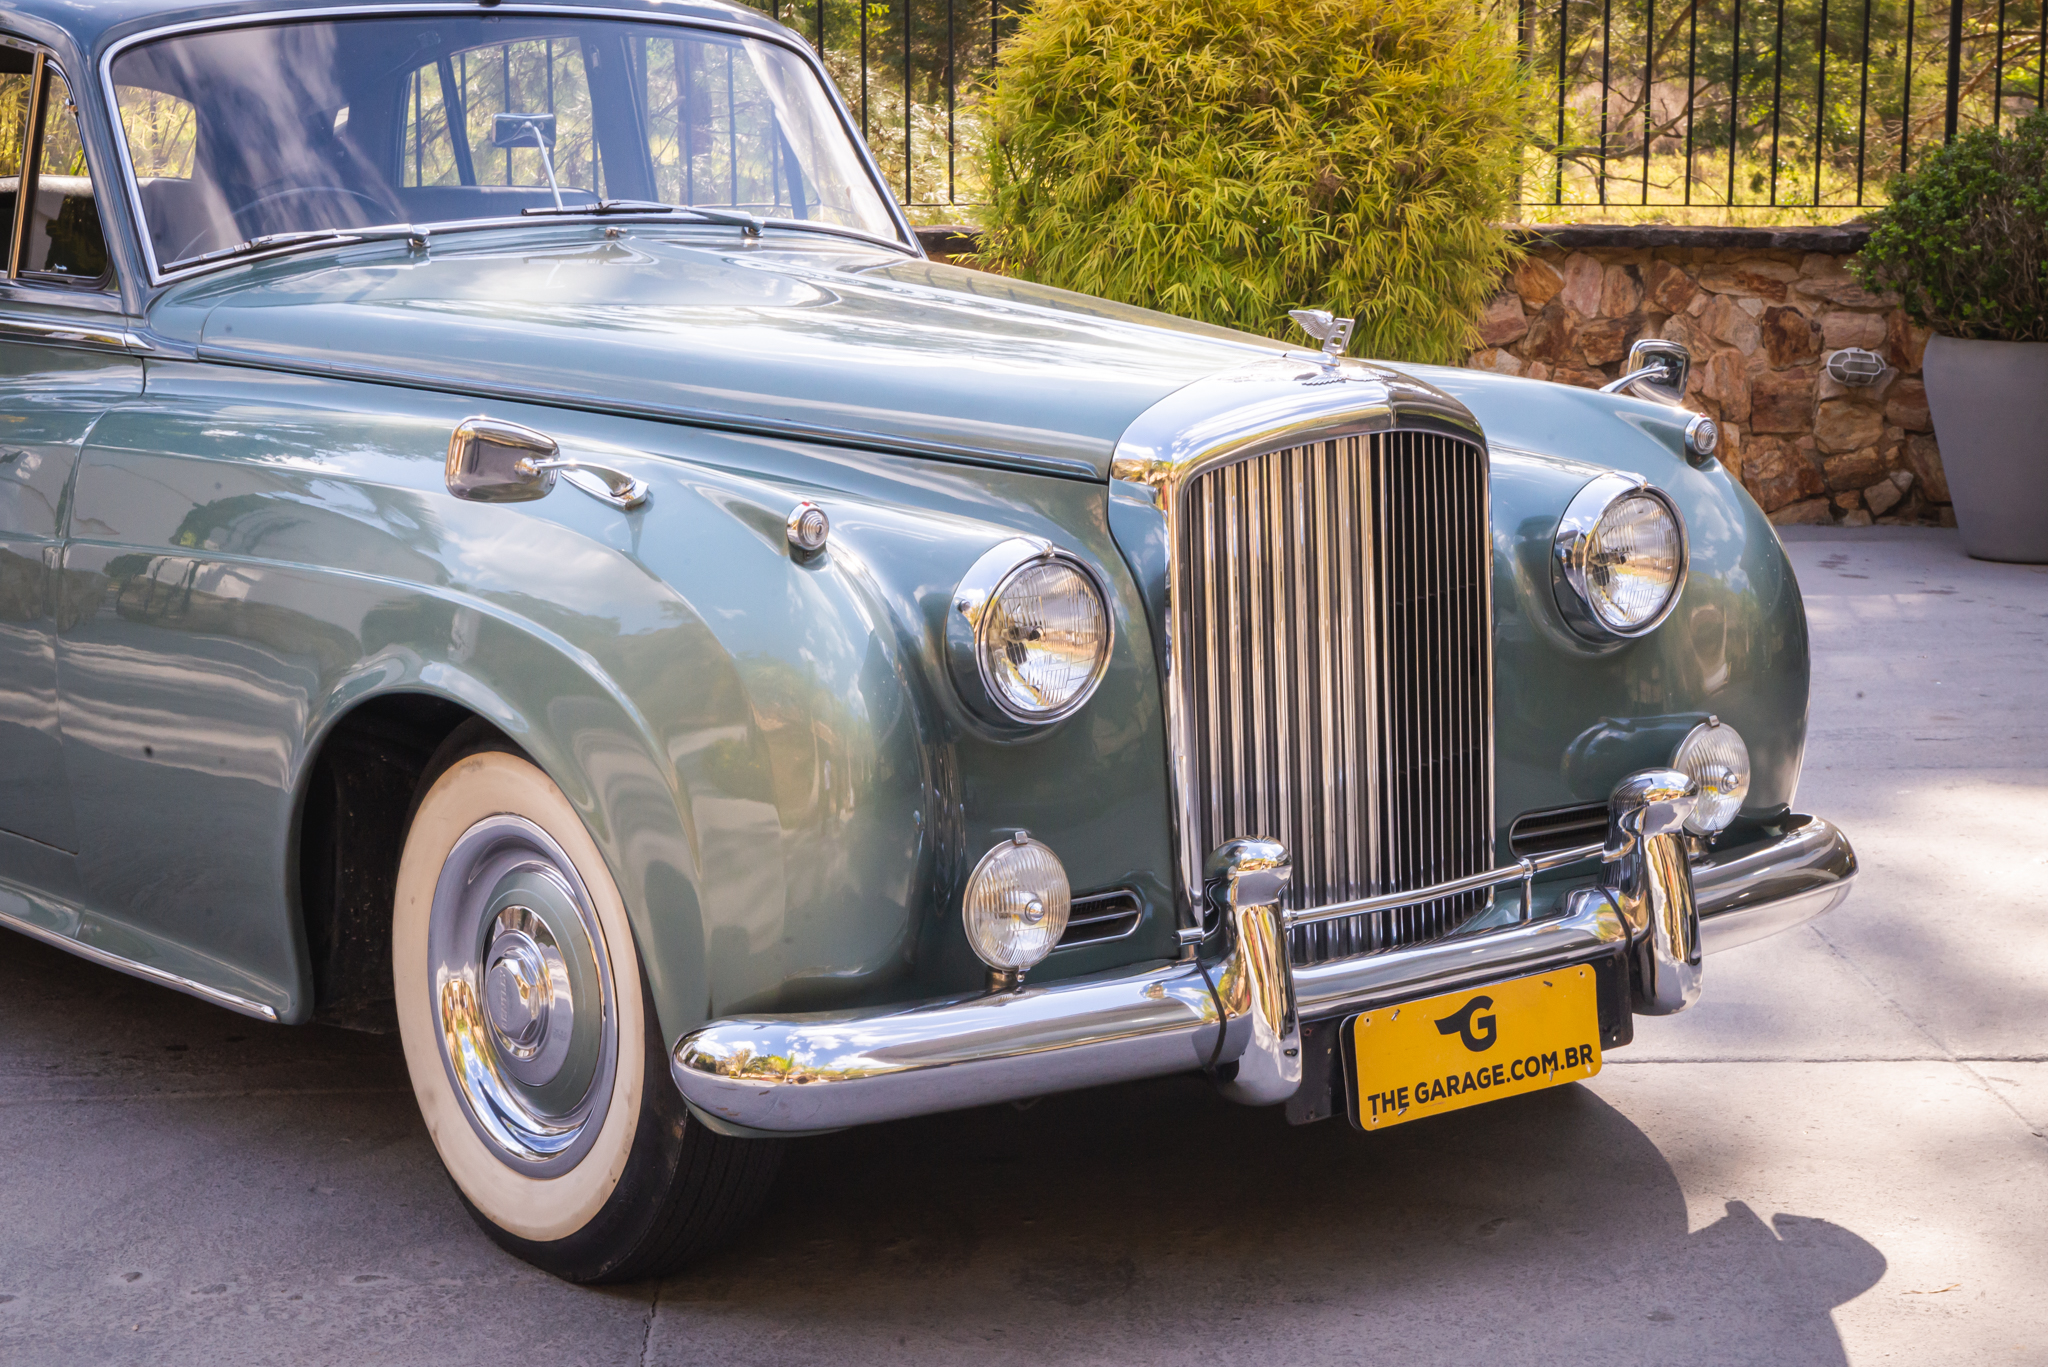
1461	1022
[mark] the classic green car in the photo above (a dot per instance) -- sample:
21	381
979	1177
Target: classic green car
504	534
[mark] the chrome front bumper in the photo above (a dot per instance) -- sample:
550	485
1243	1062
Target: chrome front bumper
825	1071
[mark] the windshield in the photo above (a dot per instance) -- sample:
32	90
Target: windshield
238	134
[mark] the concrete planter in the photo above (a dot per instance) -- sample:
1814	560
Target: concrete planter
1990	406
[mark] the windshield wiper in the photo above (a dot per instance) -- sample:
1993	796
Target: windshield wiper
748	222
275	241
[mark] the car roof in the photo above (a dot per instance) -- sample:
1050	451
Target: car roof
89	23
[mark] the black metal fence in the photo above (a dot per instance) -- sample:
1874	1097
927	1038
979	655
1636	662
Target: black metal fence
1719	105
1765	103
907	69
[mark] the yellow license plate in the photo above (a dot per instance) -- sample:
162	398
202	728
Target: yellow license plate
1425	1058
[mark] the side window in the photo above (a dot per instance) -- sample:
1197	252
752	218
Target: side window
62	241
450	106
17	83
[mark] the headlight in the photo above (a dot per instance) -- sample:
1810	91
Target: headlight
1029	633
1713	753
1016	904
1619	558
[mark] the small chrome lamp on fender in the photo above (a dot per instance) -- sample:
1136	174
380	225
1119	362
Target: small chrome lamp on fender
808	528
501	462
1648	880
1702	439
1028	634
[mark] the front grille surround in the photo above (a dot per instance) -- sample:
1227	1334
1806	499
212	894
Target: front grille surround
1330	672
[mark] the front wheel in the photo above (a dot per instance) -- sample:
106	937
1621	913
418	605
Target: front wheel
531	1042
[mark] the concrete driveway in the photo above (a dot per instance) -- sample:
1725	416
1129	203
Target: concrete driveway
1838	1157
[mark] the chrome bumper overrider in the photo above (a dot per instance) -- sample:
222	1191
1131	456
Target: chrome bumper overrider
1240	1015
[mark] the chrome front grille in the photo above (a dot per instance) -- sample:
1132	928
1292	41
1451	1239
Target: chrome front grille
1333	648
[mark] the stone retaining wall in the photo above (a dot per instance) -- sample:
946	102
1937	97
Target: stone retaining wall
1760	311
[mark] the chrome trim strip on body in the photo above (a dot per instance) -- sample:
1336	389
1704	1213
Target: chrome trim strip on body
75	333
108	959
826	1071
766	30
1229	418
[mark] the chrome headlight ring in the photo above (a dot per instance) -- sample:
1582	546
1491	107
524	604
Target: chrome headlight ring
985	605
1583	565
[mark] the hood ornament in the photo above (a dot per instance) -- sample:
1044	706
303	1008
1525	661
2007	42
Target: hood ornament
1326	327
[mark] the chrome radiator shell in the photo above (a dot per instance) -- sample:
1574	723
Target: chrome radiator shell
1328	646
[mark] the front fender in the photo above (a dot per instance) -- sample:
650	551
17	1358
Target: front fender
1573	717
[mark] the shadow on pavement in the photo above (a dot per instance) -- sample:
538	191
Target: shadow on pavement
1159	1221
182	1185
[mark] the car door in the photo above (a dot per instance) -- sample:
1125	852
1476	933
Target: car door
63	361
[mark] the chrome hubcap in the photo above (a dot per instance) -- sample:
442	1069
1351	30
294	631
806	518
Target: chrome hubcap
523	995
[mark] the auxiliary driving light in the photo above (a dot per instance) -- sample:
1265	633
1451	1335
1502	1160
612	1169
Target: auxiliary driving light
1016	904
1714	754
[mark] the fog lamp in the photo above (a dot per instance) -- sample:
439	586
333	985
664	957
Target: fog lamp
1714	754
1016	904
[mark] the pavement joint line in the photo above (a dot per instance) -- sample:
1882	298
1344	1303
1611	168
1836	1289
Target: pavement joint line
258	1093
1962	1064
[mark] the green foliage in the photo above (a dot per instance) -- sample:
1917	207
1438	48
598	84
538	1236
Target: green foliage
1964	242
1228	160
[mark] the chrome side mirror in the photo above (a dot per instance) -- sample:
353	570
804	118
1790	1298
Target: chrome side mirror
1657	369
501	462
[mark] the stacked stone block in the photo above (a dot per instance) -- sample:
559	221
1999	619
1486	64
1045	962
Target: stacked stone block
1760	323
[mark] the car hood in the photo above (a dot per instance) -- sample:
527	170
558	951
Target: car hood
792	335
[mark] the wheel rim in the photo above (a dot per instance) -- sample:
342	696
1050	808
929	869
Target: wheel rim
522	995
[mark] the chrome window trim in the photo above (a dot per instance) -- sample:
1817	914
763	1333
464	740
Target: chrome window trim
1236	415
1567	582
103	294
775	34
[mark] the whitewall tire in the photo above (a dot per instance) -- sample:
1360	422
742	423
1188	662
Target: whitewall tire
531	1040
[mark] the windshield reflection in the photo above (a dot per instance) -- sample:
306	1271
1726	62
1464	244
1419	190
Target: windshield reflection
247	134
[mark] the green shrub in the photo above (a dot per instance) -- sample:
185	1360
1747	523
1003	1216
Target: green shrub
1228	160
1964	242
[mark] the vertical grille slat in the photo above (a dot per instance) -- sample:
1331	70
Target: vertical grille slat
1336	673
